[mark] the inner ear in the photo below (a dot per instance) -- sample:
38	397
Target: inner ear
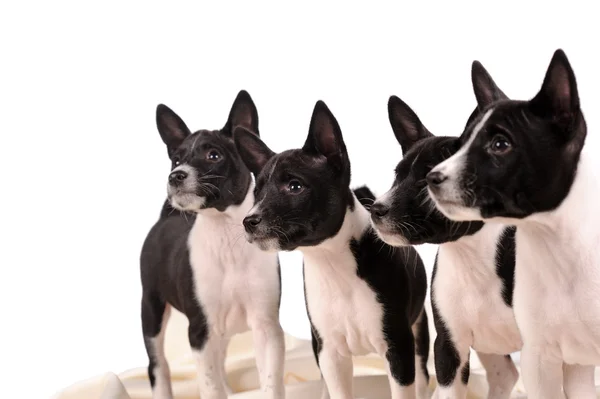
558	95
486	90
171	127
325	136
254	152
406	125
243	113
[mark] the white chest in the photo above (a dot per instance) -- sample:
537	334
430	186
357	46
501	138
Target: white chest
235	282
468	295
342	307
557	294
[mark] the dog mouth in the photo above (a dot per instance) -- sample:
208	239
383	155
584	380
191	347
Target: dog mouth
393	239
265	242
389	235
442	200
186	201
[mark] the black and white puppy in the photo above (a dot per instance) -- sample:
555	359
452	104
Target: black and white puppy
199	262
521	162
361	295
472	282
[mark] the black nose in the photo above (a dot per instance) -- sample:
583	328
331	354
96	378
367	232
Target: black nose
379	210
250	222
177	177
435	178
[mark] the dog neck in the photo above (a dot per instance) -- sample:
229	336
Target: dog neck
571	232
232	214
475	251
577	214
356	221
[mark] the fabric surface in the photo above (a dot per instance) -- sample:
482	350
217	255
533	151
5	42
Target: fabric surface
301	374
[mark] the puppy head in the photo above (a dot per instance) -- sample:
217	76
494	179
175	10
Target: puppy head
405	215
518	157
301	195
206	169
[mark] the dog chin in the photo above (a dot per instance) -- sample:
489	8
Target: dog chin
394	240
187	202
456	212
264	244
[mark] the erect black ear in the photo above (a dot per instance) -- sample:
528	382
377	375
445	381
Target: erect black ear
558	96
243	113
406	125
486	90
253	151
325	137
171	127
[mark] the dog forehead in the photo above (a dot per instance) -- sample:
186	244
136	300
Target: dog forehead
427	151
507	115
296	161
206	138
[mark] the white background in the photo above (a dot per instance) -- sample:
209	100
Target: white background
83	169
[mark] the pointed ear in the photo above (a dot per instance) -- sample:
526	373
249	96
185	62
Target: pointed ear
406	125
243	113
253	151
558	96
325	137
171	127
486	90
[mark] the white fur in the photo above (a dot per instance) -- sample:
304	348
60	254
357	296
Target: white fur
384	230
557	291
449	199
330	275
184	197
344	309
162	374
468	295
237	285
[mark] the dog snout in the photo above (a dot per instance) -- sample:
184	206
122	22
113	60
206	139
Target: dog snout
435	178
177	177
251	222
379	210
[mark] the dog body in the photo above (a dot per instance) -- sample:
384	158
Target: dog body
530	172
472	282
362	297
198	261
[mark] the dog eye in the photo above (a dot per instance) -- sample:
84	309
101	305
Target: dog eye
213	156
295	186
500	145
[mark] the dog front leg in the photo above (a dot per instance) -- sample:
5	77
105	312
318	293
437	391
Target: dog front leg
207	351
337	374
270	352
451	368
579	381
501	372
542	377
224	346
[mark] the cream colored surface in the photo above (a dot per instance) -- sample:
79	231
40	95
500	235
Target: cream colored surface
301	374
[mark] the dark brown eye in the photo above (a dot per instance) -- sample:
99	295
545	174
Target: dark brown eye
213	156
500	145
294	186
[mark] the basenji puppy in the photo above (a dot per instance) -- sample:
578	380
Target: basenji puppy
196	259
521	163
362	296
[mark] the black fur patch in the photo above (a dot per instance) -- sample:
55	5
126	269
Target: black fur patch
224	180
523	159
302	198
